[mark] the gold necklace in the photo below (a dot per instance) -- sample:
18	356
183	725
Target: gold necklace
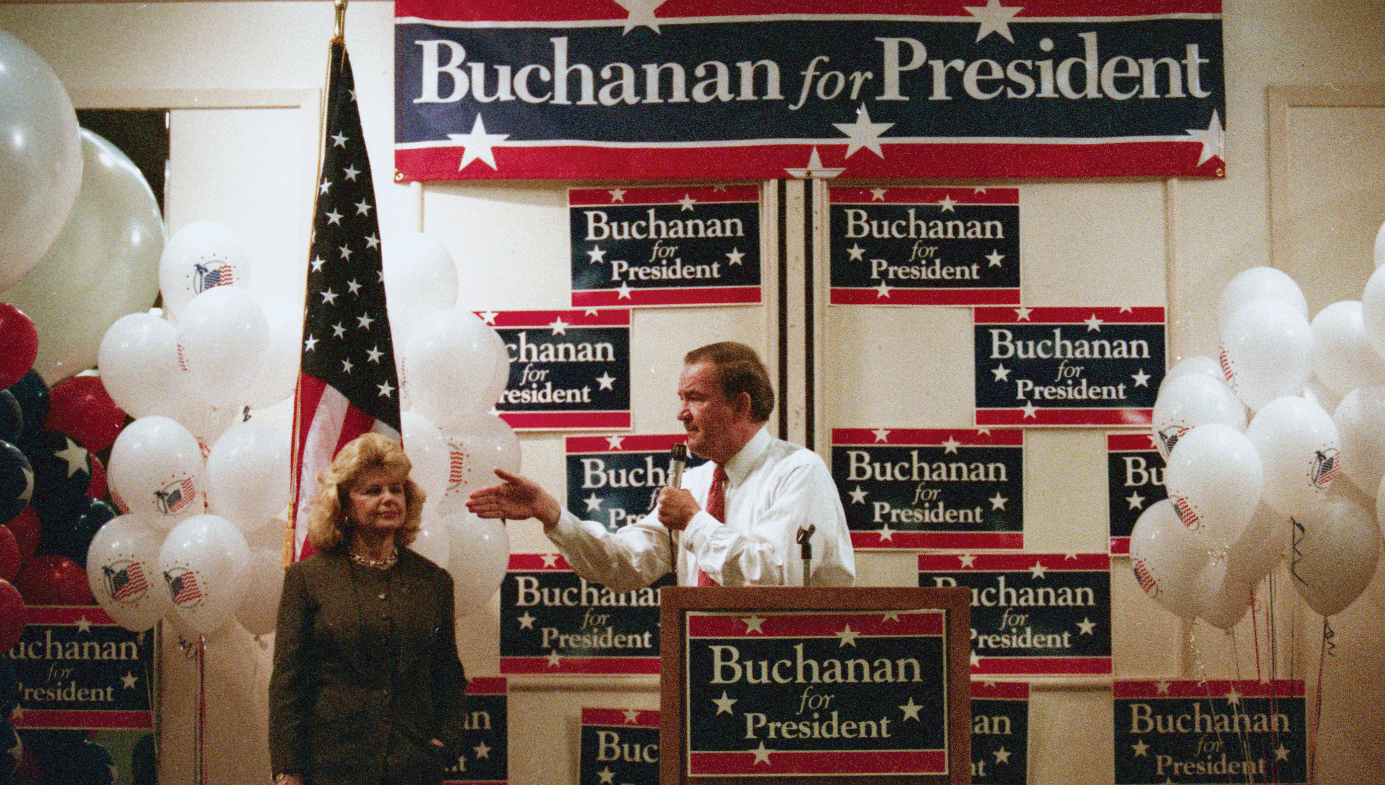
378	564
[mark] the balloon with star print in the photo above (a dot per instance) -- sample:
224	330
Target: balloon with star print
62	474
16	481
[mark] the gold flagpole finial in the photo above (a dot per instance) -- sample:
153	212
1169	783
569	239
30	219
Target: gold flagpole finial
341	20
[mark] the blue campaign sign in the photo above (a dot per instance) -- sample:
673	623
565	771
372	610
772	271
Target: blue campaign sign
999	733
1067	366
931	488
553	621
669	245
619	746
1134	481
1210	731
615	480
924	246
568	369
484	758
1032	614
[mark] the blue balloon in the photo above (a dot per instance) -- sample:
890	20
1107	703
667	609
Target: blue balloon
31	393
11	751
17	481
9	687
11	418
71	536
62	475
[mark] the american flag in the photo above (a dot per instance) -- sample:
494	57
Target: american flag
347	383
183	587
126	582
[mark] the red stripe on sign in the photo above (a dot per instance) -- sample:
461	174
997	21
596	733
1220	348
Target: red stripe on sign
1131	442
610	317
927	437
631	197
1074	315
949	540
624	718
772	762
1217	688
1098	417
692	295
565	421
900	296
999	690
41	719
577	445
912	195
535	562
1016	562
588	665
1039	666
875	624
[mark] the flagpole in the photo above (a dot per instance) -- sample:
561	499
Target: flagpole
341	20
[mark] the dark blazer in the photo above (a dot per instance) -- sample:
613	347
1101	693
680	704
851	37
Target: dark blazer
347	707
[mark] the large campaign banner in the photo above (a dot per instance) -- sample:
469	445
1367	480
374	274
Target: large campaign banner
721	89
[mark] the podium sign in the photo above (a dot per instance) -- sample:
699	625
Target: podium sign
821	685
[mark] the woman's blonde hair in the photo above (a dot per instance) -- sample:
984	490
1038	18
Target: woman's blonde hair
327	521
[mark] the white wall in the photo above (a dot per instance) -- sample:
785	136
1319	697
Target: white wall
1145	242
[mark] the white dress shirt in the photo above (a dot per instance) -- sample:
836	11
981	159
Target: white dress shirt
773	489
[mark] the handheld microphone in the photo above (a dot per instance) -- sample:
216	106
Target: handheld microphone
677	459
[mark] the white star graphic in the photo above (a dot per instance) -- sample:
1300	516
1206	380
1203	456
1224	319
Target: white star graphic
317	264
815	169
1141	749
624	292
339	139
559	326
858	496
309	344
855	253
1136	501
632	716
1031	412
488	317
1213	140
951	445
363	207
338	330
129	680
606	380
994	18
83	624
386	391
753	624
881	435
640	14
364	321
607	776
1162	687
1038	570
1087	626
482	751
346	367
1093	324
877	194
883	290
478	144
593	502
1002	755
324	187
724	703
597	254
1141	378
847	637
617	194
1022	314
351	171
1001	373
911	709
687	203
886	533
553	659
345	252
526	622
762	754
1281	753
948	204
615	442
353	286
968	560
374	354
995	258
334	217
997	501
863	133
550	560
75	455
734	256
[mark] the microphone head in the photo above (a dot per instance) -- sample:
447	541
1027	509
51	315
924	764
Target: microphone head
678	452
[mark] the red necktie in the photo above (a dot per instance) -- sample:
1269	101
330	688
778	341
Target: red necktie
716	507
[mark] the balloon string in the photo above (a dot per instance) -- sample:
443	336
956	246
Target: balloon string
1255	637
1327	644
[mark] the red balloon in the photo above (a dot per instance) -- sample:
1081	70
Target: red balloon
81	408
50	579
10	557
19	336
27	531
97	489
14	617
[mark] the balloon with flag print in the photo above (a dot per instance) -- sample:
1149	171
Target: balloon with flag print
205	563
123	572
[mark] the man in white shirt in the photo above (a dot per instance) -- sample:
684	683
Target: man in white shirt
737	519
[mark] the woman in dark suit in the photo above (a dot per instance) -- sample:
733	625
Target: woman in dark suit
367	687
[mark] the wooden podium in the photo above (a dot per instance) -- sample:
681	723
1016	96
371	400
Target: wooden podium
829	686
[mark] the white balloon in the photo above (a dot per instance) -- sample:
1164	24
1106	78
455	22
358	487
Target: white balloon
205	562
428	452
1167	559
40	159
1267	352
201	256
258	611
1214	478
248	474
101	267
1222	599
448	366
480	556
500	377
222	339
1191	400
1373	310
420	279
1255	553
1300	449
1360	420
138	357
123	572
1261	283
1343	357
1196	364
1380	247
1336	549
278	374
482	445
155	471
434	541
